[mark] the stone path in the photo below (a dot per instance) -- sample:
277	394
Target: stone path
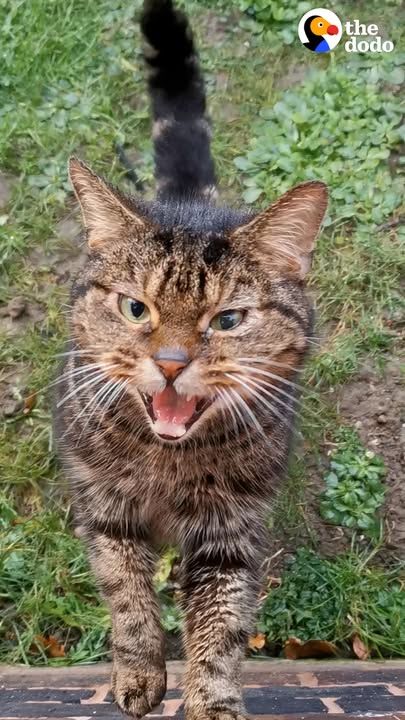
273	690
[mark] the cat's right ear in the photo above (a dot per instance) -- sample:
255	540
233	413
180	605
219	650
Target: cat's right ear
104	211
283	236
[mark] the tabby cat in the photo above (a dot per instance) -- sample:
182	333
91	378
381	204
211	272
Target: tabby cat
174	411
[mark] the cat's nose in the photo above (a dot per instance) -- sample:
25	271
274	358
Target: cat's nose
171	362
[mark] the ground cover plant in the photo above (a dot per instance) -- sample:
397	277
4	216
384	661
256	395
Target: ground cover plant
72	82
336	601
354	488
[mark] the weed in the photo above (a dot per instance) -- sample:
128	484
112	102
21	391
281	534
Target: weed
335	599
275	18
337	124
354	491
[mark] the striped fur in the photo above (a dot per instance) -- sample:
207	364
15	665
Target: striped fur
209	492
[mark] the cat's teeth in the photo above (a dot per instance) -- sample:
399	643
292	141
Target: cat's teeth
161	427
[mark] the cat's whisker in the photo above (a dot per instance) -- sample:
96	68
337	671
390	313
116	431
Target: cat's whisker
111	387
260	386
264	403
71	374
315	343
94	400
265	383
243	405
227	406
303	407
68	353
241	417
82	370
83	410
98	376
267	361
115	396
290	395
273	376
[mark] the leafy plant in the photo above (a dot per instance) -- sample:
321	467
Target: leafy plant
276	17
354	491
335	599
338	126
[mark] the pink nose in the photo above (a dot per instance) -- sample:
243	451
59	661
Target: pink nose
171	368
333	30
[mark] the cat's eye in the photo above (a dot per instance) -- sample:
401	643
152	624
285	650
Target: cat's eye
227	320
134	310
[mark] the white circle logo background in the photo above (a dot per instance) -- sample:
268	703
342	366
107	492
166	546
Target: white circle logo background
330	17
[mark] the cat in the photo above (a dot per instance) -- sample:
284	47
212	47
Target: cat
175	408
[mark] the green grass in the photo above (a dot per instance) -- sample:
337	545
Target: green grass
335	600
45	586
72	81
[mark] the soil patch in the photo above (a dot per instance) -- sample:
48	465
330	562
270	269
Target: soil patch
375	404
7	183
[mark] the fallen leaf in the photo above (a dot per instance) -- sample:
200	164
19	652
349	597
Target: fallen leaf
51	645
295	649
360	649
29	403
257	642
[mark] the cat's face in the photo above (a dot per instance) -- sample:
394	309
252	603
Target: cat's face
194	328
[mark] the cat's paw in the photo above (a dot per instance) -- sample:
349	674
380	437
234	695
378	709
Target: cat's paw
137	692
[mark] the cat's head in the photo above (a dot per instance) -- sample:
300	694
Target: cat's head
197	327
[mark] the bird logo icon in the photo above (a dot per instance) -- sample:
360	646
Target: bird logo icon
320	30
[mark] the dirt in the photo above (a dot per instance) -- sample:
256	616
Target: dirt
216	27
55	266
309	528
7	183
294	76
13	389
375	404
20	314
59	264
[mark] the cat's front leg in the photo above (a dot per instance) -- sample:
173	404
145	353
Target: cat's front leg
124	568
220	597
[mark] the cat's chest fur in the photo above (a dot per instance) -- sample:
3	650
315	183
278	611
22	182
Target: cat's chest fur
170	491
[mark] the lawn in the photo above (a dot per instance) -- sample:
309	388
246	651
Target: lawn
72	81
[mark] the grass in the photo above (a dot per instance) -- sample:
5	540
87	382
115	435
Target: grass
46	585
335	600
82	91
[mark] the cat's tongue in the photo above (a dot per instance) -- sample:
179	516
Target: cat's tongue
172	412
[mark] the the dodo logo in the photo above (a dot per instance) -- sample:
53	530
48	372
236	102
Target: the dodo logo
320	30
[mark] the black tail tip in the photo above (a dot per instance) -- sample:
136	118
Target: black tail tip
166	28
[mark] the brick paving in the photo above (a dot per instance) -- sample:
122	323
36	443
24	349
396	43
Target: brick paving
273	690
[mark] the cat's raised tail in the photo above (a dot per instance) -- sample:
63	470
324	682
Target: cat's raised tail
181	130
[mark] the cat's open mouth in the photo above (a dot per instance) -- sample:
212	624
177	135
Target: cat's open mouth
172	414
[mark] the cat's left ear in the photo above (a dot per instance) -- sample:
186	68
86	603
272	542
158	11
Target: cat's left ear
283	236
105	214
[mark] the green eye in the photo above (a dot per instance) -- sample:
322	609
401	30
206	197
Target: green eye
134	310
227	320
